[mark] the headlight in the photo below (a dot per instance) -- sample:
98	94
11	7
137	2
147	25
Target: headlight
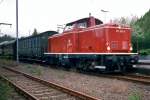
131	48
108	48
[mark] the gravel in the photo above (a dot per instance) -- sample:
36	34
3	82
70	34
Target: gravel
100	87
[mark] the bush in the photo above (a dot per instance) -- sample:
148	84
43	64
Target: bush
4	90
145	52
135	96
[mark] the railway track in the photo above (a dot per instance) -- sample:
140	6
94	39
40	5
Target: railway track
36	89
12	93
137	78
143	63
73	95
143	79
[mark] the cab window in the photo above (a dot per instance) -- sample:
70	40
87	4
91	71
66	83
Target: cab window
82	25
69	27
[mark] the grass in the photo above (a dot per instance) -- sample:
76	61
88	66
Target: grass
62	76
135	96
37	70
5	90
10	63
120	87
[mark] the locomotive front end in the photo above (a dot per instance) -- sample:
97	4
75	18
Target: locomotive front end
117	48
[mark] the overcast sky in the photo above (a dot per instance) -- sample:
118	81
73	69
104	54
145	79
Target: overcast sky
46	14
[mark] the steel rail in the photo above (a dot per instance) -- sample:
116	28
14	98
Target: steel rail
139	76
137	79
143	79
19	89
143	63
54	85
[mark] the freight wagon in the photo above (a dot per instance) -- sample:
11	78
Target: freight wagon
1	48
30	48
33	47
8	49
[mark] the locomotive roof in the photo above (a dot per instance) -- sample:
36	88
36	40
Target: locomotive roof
40	34
85	20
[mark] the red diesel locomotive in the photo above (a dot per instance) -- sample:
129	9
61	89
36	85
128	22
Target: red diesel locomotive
88	44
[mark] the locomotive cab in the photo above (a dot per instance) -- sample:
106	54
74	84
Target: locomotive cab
82	24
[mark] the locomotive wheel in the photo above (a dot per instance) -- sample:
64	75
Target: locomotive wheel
130	68
83	66
123	69
79	67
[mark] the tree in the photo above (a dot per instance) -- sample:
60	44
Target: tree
6	38
143	30
34	32
126	20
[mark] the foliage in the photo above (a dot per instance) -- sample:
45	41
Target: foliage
142	30
4	91
126	20
6	62
6	38
135	96
145	52
144	22
35	32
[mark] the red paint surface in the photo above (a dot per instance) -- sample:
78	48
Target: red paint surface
94	38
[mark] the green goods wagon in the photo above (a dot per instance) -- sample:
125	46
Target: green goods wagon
33	47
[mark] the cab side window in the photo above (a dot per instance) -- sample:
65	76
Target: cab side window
82	25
